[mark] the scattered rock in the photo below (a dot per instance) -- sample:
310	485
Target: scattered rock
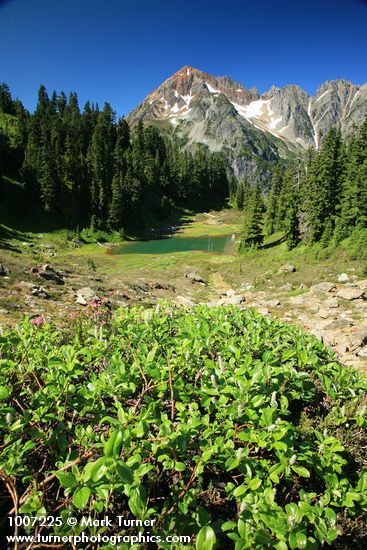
263	311
50	274
272	303
26	285
162	286
85	295
230	301
340	324
358	339
343	278
323	287
40	292
287	268
3	311
298	299
331	303
349	293
195	278
230	292
318	334
184	301
140	287
4	271
362	352
287	287
247	286
362	284
325	314
302	286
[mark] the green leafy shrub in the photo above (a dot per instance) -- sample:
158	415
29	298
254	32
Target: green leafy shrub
217	423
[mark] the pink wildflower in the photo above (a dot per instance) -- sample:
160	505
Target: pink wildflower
73	314
38	321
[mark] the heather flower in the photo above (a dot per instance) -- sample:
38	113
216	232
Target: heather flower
73	314
38	321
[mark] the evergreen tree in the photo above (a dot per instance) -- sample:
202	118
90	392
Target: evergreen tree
291	197
252	231
272	218
323	185
101	163
353	209
6	102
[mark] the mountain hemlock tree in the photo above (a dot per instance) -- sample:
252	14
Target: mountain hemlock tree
252	231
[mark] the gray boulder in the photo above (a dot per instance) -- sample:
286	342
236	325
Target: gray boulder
287	268
331	303
184	301
349	293
230	301
195	278
3	271
40	292
85	295
343	278
323	287
50	274
287	287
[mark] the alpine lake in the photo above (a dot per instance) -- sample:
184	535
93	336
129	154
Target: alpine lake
212	244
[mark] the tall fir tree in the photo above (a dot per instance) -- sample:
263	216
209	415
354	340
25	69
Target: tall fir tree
252	230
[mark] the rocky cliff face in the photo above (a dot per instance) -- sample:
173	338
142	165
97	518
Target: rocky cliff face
252	130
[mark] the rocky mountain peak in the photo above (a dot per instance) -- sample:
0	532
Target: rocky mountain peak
252	129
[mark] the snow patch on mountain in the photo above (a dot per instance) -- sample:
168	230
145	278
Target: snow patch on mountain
321	96
354	98
187	98
211	89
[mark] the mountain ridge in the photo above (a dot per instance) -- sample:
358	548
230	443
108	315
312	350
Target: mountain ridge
225	115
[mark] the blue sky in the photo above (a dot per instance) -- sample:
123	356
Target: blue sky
120	50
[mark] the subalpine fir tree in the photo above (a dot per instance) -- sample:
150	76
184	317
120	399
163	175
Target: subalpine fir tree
6	101
291	197
323	185
252	231
272	213
101	161
115	216
353	210
243	192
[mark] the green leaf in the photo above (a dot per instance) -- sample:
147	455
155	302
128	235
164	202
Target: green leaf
81	497
301	471
66	479
254	484
137	504
240	490
231	463
4	393
97	470
301	540
269	495
124	472
206	538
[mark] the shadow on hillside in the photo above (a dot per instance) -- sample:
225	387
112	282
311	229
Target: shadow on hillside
6	236
20	215
273	243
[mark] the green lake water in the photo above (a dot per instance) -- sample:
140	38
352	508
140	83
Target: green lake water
218	244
